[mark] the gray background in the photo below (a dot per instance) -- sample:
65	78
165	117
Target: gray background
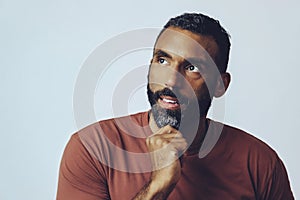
44	43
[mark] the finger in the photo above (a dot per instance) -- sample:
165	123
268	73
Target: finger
162	140
181	146
158	140
166	130
178	145
172	135
165	136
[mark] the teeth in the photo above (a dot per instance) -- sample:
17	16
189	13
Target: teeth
169	101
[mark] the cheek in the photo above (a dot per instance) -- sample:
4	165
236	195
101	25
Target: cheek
151	76
154	79
157	76
196	86
200	89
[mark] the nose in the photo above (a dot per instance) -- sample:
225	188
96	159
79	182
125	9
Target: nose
173	78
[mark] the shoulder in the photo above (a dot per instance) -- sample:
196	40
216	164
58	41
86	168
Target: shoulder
117	122
102	136
115	142
243	147
261	159
266	170
114	128
247	141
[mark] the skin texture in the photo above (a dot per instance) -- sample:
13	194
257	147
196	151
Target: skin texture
181	60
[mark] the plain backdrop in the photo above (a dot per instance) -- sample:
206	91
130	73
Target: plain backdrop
43	45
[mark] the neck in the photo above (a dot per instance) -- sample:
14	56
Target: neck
201	133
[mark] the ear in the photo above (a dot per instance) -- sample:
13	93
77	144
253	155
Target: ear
222	84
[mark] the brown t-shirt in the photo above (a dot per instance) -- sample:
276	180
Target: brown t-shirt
109	160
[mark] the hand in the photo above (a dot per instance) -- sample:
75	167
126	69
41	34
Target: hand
165	147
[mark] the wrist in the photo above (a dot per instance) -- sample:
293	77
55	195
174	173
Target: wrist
159	189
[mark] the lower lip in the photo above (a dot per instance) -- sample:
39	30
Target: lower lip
167	105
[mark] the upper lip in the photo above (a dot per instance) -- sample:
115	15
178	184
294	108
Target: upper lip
180	101
170	95
169	98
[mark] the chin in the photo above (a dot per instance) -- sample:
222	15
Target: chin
164	117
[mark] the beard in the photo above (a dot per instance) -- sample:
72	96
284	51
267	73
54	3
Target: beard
163	117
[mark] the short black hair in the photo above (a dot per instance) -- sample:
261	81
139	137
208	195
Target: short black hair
204	25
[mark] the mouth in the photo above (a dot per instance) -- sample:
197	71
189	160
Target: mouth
169	102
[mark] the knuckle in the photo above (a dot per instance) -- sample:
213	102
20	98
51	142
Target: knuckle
168	128
151	140
185	143
148	141
165	143
178	134
158	141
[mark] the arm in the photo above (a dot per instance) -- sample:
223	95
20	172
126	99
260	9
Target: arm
151	191
80	177
164	147
278	186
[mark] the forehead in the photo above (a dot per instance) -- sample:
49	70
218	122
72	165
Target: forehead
186	44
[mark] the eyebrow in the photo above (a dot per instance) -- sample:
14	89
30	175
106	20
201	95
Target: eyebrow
194	60
161	53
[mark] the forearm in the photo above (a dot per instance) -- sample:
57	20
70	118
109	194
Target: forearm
152	191
163	147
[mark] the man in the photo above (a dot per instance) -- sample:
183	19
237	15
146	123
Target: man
173	151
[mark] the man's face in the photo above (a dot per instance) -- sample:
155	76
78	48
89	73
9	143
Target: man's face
182	67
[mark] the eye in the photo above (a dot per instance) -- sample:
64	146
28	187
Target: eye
162	61
191	68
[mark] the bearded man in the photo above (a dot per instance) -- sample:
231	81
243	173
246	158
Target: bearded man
174	151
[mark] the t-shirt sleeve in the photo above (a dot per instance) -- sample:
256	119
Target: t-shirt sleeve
278	186
81	176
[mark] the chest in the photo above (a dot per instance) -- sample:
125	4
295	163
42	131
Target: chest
200	179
